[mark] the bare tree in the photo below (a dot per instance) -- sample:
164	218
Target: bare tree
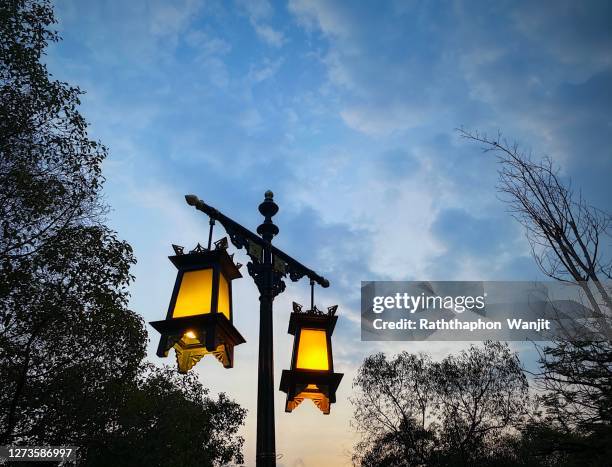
565	232
568	241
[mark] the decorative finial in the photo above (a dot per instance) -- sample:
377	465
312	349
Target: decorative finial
199	249
268	208
192	200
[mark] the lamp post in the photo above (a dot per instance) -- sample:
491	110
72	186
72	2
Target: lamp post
268	267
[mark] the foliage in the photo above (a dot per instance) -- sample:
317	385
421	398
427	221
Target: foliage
50	171
63	319
167	419
71	352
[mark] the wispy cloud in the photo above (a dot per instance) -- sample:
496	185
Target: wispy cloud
259	13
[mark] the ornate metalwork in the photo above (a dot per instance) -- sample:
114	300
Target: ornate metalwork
320	398
221	244
279	265
237	240
178	250
255	245
258	272
199	249
295	274
278	285
331	310
187	357
255	251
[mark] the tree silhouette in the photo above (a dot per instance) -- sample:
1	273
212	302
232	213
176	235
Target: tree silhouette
568	238
460	411
71	352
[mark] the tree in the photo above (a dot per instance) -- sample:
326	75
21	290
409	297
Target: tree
460	411
565	232
50	171
64	274
167	419
71	352
567	237
481	392
391	409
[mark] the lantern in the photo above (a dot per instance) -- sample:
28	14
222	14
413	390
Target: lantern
312	367
200	315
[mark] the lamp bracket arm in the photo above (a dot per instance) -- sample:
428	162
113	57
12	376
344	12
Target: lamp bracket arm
240	236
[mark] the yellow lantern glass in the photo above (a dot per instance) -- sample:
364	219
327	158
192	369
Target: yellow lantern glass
312	350
195	294
223	301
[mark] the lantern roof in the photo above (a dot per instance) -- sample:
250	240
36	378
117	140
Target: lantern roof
314	318
203	258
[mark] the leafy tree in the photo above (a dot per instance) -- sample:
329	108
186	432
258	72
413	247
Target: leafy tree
64	274
71	352
460	411
50	171
167	419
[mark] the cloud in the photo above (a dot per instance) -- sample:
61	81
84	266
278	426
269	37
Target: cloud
260	11
326	16
206	45
168	20
269	35
380	121
264	71
257	9
577	34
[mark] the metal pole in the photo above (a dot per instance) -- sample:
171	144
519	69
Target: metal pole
211	221
266	443
312	306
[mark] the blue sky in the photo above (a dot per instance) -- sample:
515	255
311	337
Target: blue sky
347	111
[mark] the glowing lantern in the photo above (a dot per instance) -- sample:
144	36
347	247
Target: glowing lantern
312	367
200	315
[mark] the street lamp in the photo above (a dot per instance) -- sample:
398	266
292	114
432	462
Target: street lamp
200	315
312	365
267	266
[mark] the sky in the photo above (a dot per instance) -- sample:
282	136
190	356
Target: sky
348	112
